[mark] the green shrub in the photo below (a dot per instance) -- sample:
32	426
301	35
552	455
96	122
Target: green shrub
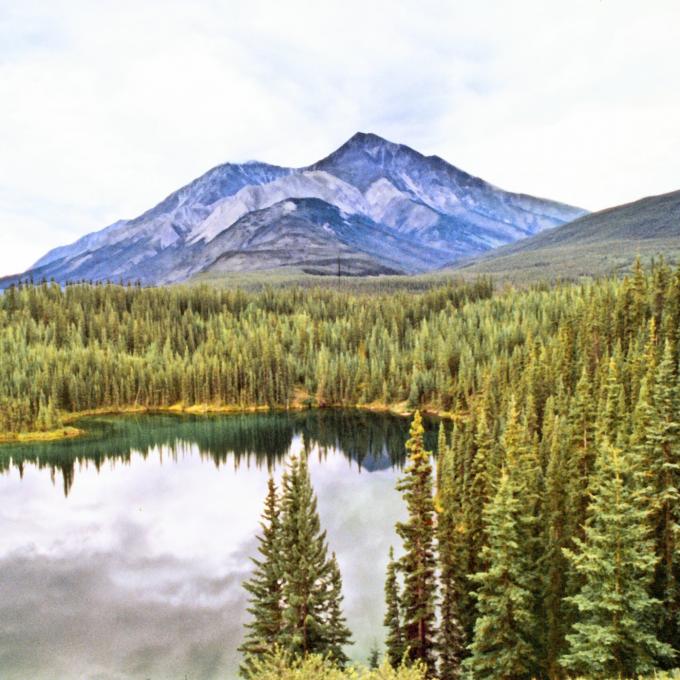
280	666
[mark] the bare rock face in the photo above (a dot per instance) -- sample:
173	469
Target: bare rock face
371	207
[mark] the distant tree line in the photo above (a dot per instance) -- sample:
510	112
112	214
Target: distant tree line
84	347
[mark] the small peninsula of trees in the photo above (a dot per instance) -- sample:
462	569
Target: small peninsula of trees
296	588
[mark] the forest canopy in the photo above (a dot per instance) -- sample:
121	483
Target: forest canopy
558	471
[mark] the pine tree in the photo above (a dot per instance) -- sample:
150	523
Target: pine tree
557	535
502	647
265	586
614	635
418	563
524	468
395	634
454	540
481	489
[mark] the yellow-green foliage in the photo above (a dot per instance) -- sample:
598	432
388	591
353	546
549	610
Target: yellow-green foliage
112	347
91	347
279	666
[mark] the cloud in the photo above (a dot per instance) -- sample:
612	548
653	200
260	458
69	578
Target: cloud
108	107
63	617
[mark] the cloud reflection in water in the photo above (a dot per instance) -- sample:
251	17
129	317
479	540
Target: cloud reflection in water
137	572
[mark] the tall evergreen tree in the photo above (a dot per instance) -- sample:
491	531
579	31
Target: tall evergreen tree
615	633
454	539
265	588
338	634
481	489
557	534
582	423
611	425
451	637
312	619
418	563
502	647
393	623
665	438
526	476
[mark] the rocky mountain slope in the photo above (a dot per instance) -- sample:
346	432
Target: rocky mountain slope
371	207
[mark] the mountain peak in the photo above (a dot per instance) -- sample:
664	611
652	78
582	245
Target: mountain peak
376	196
367	138
367	141
362	158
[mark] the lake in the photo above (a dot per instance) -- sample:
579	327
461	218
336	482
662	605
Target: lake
122	553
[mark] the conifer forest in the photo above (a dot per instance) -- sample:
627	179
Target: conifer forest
542	533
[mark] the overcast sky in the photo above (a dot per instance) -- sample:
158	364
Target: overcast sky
106	107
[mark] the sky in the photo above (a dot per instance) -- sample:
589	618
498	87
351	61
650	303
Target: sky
107	107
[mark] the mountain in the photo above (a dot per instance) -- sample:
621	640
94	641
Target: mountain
371	207
600	243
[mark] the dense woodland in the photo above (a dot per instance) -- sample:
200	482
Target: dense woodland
87	347
545	543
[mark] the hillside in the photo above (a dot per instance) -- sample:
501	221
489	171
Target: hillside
370	207
600	243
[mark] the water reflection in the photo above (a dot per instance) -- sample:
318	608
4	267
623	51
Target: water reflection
374	441
135	570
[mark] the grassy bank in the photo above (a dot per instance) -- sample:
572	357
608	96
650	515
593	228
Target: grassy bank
66	432
301	401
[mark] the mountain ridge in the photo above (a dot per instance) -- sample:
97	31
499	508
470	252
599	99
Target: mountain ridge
600	243
428	212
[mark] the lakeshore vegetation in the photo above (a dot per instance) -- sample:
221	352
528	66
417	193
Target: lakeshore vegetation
544	543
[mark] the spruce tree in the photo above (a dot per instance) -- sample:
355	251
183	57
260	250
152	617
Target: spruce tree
337	633
582	421
418	563
615	635
502	647
455	542
451	637
526	476
481	489
665	464
610	423
557	533
312	618
395	634
265	588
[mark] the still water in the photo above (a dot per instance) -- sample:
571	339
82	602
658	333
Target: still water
122	553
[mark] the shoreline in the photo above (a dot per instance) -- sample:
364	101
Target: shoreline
68	431
64	432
